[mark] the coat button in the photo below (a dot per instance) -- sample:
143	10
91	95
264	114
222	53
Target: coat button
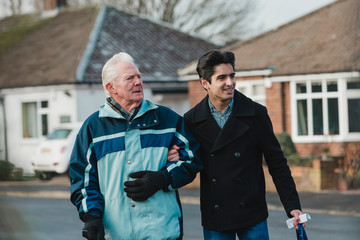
213	180
133	205
216	206
237	154
212	155
242	204
238	180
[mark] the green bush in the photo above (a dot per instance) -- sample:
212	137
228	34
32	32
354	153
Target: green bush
356	182
289	150
6	169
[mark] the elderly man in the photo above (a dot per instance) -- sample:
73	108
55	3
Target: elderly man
121	182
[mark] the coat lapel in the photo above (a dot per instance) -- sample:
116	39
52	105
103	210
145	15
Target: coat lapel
234	126
207	128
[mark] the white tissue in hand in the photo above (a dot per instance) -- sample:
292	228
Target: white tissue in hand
303	218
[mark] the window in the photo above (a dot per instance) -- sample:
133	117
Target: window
354	115
35	119
252	89
333	111
59	134
29	120
327	109
65	119
302	117
353	102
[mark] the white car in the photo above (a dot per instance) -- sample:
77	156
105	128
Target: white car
53	154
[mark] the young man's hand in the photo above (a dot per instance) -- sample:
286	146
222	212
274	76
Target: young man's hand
173	154
296	213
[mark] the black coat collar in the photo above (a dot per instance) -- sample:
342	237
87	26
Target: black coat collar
234	127
243	106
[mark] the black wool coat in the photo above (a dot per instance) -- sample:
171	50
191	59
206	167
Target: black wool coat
232	181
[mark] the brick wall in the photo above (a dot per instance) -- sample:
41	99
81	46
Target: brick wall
278	105
286	87
334	148
196	92
275	106
50	4
321	176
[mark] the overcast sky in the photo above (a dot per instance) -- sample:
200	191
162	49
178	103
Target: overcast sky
273	13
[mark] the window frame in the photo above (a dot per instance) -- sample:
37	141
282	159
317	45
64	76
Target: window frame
249	86
342	94
40	111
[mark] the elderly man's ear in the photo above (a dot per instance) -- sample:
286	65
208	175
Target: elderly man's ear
109	88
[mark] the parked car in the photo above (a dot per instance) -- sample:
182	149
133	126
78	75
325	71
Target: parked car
53	154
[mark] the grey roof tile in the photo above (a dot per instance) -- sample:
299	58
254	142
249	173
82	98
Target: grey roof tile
158	49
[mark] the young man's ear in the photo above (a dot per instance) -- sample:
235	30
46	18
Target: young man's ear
204	83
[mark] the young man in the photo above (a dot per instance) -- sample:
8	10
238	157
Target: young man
234	134
121	182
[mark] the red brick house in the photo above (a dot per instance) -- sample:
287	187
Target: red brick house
307	73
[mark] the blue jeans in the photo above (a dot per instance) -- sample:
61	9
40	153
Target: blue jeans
257	232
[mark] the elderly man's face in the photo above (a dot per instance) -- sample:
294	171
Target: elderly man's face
127	89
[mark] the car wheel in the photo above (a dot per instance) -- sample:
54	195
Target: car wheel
44	175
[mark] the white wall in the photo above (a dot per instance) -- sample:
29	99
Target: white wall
178	102
2	133
21	149
88	101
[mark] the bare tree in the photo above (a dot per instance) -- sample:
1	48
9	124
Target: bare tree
217	20
14	6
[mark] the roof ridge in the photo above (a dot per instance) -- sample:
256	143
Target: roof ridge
90	46
161	23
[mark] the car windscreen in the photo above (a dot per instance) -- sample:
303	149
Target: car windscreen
59	134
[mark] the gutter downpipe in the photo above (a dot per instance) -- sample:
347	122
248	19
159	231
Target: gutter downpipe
5	132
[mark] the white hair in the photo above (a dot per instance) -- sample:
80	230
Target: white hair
109	71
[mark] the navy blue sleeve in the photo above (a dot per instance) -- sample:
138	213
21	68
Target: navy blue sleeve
85	192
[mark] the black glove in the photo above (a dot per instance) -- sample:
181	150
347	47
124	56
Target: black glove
93	228
146	184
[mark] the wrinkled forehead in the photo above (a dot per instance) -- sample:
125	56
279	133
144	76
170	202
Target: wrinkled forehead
127	68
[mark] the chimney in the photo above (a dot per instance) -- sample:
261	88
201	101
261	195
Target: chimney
52	7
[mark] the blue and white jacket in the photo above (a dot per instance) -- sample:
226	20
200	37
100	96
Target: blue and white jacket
108	149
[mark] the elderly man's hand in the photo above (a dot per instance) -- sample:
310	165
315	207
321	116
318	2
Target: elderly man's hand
146	184
93	228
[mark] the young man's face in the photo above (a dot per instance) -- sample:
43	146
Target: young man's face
222	85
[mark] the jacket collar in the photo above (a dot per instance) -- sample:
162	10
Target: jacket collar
243	107
234	126
107	111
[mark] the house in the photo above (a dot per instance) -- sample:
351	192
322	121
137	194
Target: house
50	70
307	73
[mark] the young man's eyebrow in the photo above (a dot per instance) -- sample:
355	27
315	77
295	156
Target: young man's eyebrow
224	75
